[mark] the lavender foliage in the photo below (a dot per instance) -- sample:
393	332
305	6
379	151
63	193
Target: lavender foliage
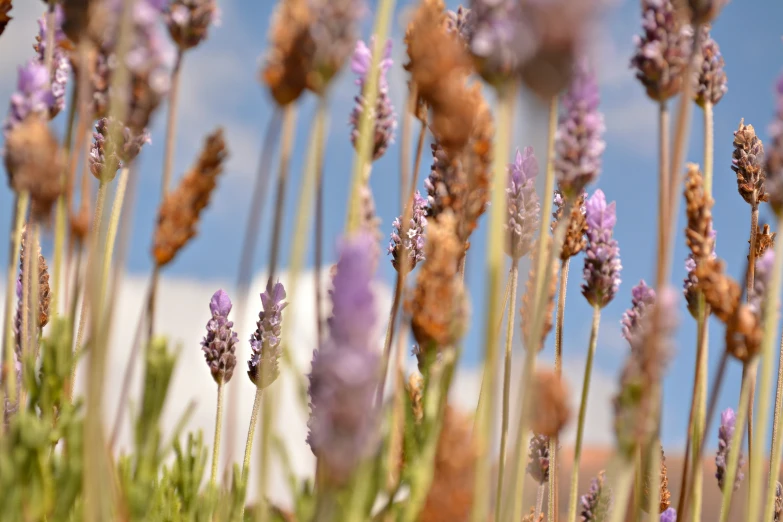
262	368
578	139
522	204
219	345
725	432
602	255
414	240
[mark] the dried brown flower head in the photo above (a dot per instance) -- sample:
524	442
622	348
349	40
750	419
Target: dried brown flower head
437	304
721	292
664	494
84	18
698	209
287	62
44	290
415	389
531	517
5	7
551	408
744	333
451	494
704	11
575	239
180	211
34	163
748	162
764	240
528	300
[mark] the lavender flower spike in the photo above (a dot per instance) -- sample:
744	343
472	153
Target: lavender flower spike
578	143
763	274
596	503
189	20
414	239
384	118
33	95
538	458
265	341
344	376
710	78
219	345
670	515
774	155
602	256
725	433
61	65
522	203
642	297
117	155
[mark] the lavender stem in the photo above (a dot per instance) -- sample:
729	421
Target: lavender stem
734	450
216	442
171	125
539	500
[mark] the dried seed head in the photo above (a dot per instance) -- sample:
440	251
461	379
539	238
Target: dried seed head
575	238
415	389
664	494
437	305
551	408
287	63
721	292
181	209
764	240
538	458
698	208
532	517
528	311
44	290
744	329
189	20
451	494
34	163
80	222
83	18
5	7
747	161
710	78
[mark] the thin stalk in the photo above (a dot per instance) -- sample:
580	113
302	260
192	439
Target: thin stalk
621	491
513	279
266	428
654	481
216	442
734	450
370	93
580	427
540	500
61	209
749	290
171	125
390	333
777	444
114	221
501	144
555	441
22	201
663	172
770	320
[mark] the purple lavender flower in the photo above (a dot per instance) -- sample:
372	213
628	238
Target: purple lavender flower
344	376
725	433
602	255
662	50
33	95
596	502
578	142
219	345
414	239
538	458
500	38
265	341
710	78
642	297
522	204
120	155
462	21
774	153
18	320
189	20
61	65
670	515
764	267
384	118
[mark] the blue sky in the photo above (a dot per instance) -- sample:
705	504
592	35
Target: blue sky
220	87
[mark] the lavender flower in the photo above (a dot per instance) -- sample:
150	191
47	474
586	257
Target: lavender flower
602	256
670	515
501	38
710	78
61	65
725	433
774	156
522	204
33	95
578	142
662	50
595	504
219	345
538	458
18	320
119	155
384	118
189	20
414	240
344	376
642	297
462	21
764	267
265	341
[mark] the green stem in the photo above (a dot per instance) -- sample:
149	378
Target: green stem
749	290
734	448
61	208
171	125
542	275
621	491
770	321
251	431
513	277
266	429
22	201
555	441
539	500
370	93
653	480
663	172
481	500
580	427
111	235
216	442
